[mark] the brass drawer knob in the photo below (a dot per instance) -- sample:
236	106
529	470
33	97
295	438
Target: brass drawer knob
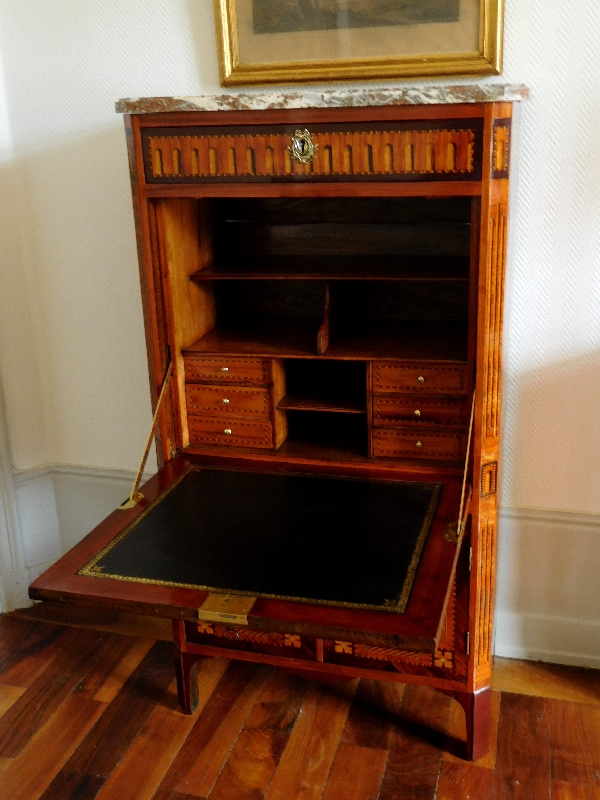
417	413
421	379
224	369
225	400
227	431
419	444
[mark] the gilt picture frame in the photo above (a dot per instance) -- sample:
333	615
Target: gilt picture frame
298	41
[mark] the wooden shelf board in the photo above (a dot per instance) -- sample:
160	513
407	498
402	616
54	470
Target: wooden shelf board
337	405
363	268
292	338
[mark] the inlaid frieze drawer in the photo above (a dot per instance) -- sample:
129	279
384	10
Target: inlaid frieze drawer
228	401
232	432
227	370
389	377
391	410
233	637
407	443
448	150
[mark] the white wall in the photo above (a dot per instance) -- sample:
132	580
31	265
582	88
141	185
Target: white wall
72	356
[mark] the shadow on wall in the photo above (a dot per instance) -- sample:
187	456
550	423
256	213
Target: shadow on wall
85	355
549	560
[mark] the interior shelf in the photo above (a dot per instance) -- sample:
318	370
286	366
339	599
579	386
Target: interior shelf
355	268
403	339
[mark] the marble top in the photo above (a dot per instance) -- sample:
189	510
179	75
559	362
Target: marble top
333	98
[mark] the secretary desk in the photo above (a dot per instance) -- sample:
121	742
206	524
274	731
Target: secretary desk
323	299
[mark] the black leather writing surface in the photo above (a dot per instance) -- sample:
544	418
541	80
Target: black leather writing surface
339	541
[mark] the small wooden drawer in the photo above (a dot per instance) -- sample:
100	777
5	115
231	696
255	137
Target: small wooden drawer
406	443
389	409
227	370
441	378
228	401
231	432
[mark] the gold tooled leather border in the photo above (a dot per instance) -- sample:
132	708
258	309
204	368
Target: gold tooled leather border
93	569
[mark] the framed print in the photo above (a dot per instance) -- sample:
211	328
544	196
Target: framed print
295	41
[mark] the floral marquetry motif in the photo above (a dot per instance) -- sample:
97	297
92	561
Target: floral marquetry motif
501	153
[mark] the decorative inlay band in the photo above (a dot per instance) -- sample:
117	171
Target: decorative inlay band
494	312
485	580
501	154
255	154
489	479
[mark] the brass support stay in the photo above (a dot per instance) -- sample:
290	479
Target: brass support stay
453	530
135	497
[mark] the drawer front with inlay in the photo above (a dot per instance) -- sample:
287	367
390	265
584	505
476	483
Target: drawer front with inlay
391	377
448	150
406	443
231	432
392	410
227	370
228	401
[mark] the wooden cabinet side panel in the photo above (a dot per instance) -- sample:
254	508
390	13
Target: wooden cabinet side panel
155	324
494	219
190	306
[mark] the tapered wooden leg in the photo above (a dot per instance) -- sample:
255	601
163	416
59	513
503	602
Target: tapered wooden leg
186	669
477	711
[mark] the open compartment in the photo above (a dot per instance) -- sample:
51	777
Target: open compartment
408	320
334	386
326	434
337	238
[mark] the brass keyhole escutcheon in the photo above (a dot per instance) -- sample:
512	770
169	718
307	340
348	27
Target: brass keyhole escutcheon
302	148
417	413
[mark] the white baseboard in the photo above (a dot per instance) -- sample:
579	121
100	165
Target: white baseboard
556	640
548	598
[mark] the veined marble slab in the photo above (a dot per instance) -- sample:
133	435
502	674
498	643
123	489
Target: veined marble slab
337	98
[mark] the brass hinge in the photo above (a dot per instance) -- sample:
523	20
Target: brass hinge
468	642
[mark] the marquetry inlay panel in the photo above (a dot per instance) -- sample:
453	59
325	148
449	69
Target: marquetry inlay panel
485	576
489	479
501	151
494	313
201	155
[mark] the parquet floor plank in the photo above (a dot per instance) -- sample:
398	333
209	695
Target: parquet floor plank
464	781
523	758
23	661
198	764
9	696
415	757
279	703
370	722
575	743
561	790
158	741
249	770
112	684
73	786
37	704
42	758
309	753
104	746
356	773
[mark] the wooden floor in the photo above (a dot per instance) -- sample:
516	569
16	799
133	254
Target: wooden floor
87	713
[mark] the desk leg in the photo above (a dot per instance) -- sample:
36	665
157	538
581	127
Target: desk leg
186	669
477	712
